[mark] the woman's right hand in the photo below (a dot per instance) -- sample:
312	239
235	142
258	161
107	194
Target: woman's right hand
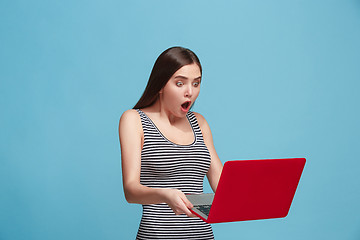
178	202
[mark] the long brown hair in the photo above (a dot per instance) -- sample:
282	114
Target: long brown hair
165	66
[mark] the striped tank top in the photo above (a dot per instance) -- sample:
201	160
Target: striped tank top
165	164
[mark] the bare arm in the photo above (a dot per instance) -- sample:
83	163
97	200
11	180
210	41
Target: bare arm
216	165
131	141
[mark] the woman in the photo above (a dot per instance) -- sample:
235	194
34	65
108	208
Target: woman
166	150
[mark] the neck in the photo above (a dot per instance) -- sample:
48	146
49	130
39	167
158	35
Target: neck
159	110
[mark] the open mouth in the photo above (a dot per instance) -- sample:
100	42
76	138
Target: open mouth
186	106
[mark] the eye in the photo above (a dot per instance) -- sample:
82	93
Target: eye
179	84
196	84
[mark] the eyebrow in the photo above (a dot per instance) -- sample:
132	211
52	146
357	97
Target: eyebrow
183	77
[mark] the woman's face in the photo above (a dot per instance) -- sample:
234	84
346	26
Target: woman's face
182	89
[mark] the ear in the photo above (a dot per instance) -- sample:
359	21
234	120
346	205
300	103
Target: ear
161	91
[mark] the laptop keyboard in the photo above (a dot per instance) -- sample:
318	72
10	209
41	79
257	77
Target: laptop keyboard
204	209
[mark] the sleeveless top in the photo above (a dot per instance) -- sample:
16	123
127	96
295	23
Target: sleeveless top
165	164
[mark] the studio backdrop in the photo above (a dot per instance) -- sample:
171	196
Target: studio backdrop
280	79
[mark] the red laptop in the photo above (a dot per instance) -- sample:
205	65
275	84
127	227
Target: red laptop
250	190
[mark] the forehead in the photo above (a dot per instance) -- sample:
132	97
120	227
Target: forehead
189	71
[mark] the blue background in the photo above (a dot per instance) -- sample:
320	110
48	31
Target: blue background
280	79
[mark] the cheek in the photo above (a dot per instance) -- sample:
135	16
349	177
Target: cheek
171	95
168	91
196	92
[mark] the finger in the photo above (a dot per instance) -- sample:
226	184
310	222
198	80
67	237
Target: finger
183	209
188	204
188	213
192	215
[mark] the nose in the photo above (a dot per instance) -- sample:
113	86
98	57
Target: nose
188	92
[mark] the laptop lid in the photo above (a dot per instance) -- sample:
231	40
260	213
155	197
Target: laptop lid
255	189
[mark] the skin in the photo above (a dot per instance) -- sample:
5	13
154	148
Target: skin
170	118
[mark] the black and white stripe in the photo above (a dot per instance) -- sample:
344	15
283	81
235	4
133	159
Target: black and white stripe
165	164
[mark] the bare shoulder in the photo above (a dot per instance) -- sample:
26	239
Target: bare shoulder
201	119
204	126
131	113
130	119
